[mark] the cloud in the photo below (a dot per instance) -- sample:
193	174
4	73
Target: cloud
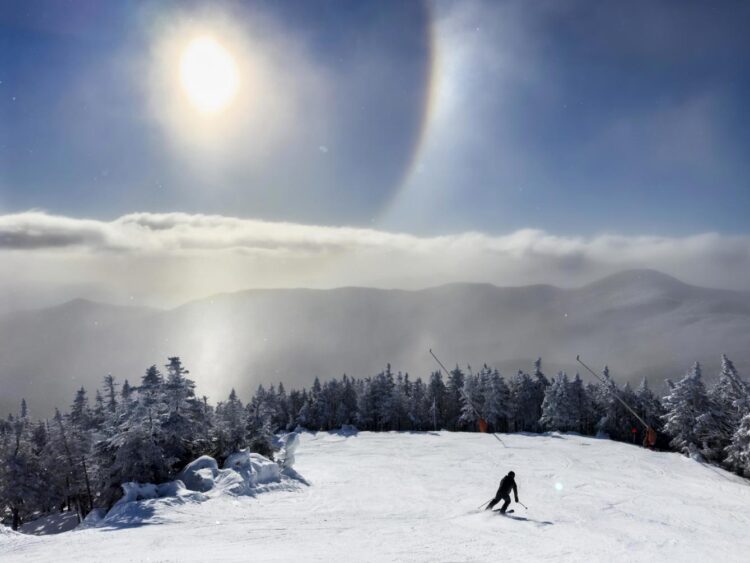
168	258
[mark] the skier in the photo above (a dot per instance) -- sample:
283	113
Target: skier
503	492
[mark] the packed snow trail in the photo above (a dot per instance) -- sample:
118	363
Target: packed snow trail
414	497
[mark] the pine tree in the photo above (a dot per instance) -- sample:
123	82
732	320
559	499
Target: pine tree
126	393
560	407
729	401
437	398
419	406
525	403
80	414
453	402
496	401
111	392
686	402
469	414
649	406
346	411
21	484
98	413
258	426
230	433
738	451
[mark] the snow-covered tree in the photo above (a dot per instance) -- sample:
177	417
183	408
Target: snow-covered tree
111	392
561	408
470	395
497	402
258	425
230	432
22	487
686	402
453	402
437	398
729	401
738	451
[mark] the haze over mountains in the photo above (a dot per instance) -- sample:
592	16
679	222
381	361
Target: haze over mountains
640	322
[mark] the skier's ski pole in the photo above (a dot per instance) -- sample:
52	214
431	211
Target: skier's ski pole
522	504
484	504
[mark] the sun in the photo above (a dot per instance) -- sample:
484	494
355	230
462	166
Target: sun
208	75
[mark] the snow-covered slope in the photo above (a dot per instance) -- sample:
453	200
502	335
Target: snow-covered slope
414	497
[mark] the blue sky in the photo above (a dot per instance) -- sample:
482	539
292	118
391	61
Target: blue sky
583	117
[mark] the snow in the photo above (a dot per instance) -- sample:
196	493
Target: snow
200	475
415	497
253	468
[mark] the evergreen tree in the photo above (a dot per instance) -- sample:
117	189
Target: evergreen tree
649	406
21	485
80	414
497	402
729	401
453	399
346	410
419	407
738	451
110	392
686	402
437	398
258	425
230	433
561	405
469	414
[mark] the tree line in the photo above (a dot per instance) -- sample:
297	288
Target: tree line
147	432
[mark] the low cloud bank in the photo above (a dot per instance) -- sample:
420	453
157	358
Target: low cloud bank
166	258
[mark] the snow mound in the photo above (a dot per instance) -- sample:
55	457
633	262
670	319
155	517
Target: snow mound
144	491
141	501
93	518
200	475
5	531
290	442
253	468
244	473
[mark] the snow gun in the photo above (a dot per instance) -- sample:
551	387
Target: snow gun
650	432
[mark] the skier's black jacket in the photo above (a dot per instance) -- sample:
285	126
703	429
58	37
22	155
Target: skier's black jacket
508	482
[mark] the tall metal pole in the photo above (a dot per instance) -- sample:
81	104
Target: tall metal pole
476	412
616	396
434	413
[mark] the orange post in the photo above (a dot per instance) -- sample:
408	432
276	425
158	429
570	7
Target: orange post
483	426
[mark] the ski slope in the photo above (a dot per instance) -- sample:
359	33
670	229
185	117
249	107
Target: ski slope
415	497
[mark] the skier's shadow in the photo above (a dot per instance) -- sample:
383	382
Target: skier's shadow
524	519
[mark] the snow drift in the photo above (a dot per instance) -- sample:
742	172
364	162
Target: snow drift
244	473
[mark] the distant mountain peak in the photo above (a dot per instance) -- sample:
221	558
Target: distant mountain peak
642	277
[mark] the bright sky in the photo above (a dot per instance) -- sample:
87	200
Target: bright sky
574	119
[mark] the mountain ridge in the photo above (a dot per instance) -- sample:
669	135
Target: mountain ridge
640	322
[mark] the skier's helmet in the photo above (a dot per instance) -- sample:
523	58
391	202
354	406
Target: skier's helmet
511	474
